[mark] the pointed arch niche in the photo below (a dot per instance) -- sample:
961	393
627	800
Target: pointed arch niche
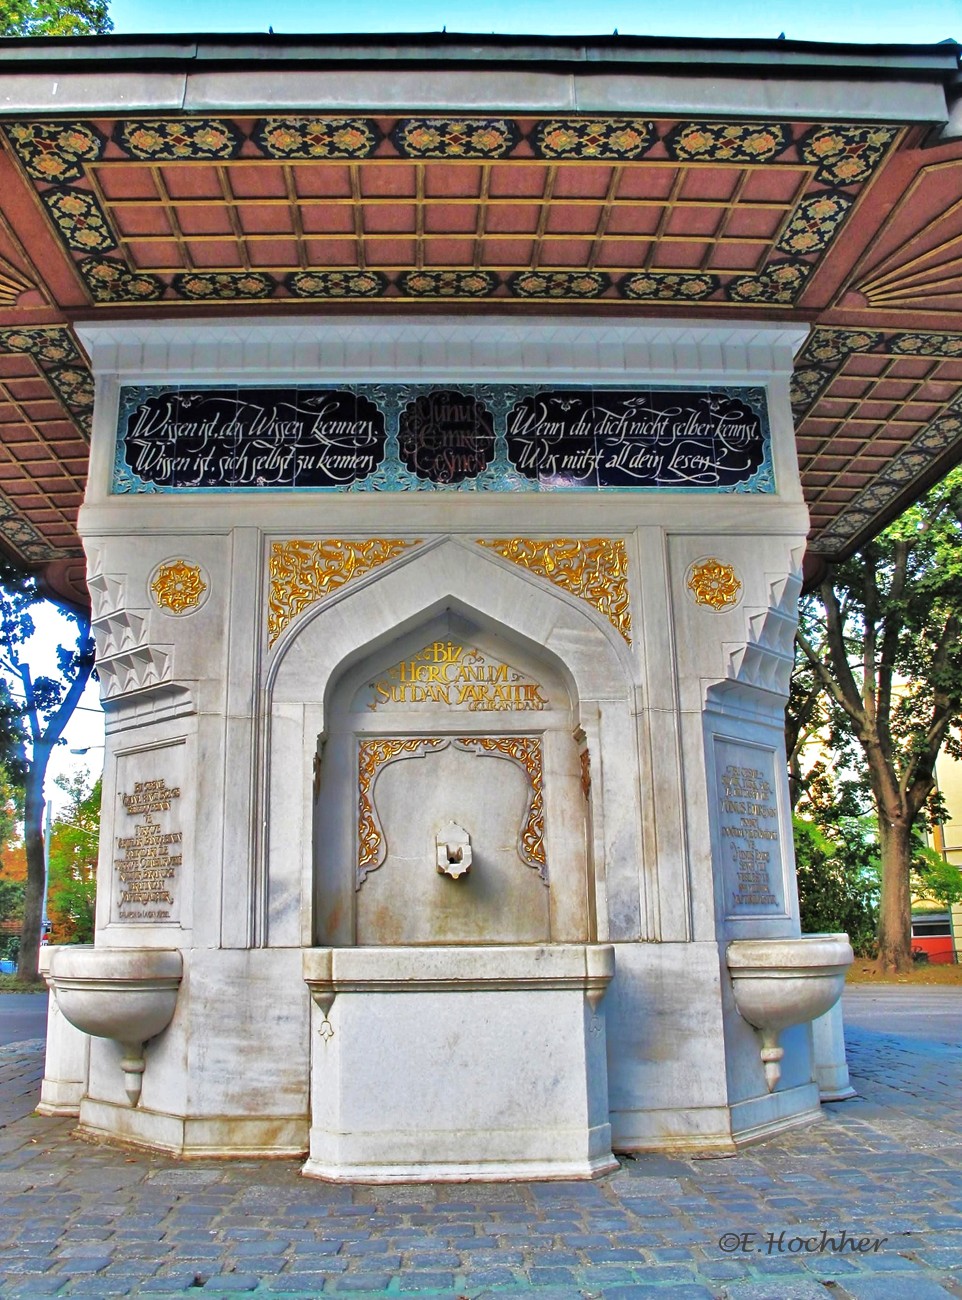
364	755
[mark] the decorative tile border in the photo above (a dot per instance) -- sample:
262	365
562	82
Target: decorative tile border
55	154
20	534
593	569
65	369
303	572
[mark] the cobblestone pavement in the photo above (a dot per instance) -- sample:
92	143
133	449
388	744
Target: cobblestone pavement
82	1220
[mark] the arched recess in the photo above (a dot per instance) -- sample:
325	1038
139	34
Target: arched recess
450	577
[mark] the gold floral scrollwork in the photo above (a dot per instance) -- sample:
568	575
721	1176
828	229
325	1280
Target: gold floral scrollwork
372	756
595	569
526	752
302	572
714	584
585	759
178	586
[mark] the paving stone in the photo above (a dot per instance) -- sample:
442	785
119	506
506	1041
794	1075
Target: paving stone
295	1284
319	1264
231	1282
361	1282
83	1263
171	1285
28	1264
260	1247
483	1277
894	1288
782	1289
641	1291
612	1254
890	1165
36	1287
101	1287
424	1281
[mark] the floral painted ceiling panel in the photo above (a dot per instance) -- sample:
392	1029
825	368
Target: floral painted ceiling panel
566	209
852	228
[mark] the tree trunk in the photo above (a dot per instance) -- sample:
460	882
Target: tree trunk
33	806
895	904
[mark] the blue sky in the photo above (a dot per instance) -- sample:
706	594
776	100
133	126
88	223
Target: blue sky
818	20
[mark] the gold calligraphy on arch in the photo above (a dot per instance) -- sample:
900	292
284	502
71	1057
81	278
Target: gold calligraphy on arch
456	676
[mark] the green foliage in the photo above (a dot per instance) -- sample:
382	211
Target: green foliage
74	842
14	984
11	808
933	878
54	18
879	682
11	899
837	866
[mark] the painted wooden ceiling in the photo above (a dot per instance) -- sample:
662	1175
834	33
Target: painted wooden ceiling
853	228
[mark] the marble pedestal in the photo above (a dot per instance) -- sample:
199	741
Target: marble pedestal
481	1062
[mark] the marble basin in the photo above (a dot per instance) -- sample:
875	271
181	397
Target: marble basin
782	982
127	994
460	1063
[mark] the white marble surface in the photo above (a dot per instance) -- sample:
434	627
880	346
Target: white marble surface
641	866
436	1064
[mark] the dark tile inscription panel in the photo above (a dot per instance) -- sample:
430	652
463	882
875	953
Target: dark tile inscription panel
416	437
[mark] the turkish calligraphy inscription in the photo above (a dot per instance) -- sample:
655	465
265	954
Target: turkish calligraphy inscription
458	677
420	437
147	872
748	825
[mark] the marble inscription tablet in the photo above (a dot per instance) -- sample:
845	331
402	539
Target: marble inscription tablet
747	820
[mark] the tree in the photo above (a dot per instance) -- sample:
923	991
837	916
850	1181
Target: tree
12	868
54	18
39	707
881	637
72	883
837	868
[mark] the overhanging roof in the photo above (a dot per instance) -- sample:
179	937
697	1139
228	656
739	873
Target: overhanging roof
162	176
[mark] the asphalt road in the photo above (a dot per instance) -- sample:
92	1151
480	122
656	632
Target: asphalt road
22	1016
924	1014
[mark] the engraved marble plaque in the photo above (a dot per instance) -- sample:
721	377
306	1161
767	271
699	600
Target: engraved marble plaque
748	828
147	854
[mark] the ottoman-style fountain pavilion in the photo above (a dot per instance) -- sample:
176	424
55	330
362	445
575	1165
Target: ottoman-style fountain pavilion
441	430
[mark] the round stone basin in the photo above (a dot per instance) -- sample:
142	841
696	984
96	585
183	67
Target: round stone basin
782	982
127	994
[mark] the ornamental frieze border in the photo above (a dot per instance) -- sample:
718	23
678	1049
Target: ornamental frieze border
55	155
305	571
